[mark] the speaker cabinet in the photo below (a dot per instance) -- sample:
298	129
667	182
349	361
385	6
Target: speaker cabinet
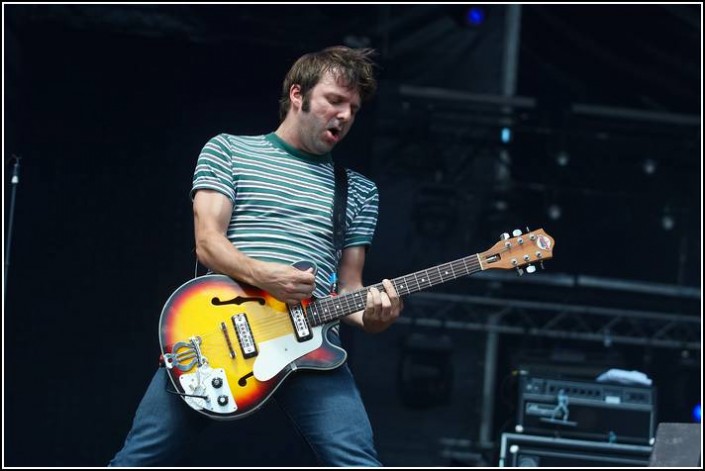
530	451
586	410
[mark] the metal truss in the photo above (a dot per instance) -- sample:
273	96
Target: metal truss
556	320
545	319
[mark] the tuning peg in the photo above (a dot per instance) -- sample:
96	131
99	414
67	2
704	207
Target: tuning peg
527	229
520	271
541	265
516	232
530	269
504	236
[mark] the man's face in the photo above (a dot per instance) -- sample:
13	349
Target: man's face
327	114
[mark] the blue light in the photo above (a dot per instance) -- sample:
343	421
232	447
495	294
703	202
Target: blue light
475	16
696	413
506	135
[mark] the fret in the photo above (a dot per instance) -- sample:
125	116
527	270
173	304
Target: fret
416	278
424	279
314	317
328	309
452	271
465	263
440	275
404	287
361	300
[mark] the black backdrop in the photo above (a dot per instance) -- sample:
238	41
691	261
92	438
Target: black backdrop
108	124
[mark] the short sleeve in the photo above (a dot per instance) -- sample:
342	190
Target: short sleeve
362	228
214	168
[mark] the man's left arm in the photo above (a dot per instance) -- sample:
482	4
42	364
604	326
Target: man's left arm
383	307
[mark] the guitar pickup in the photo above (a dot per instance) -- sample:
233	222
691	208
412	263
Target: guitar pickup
298	320
244	335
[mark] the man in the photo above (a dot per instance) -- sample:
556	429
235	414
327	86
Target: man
262	203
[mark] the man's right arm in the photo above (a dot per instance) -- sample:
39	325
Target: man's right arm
212	212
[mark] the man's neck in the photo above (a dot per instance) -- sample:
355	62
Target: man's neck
286	133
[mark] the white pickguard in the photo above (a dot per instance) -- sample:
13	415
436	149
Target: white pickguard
275	354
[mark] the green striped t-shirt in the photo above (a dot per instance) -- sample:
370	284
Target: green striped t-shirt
283	201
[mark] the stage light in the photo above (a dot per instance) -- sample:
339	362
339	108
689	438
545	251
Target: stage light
667	222
697	413
554	212
475	16
562	158
506	135
649	166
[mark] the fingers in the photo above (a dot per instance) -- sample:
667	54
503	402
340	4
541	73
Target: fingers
394	298
291	285
304	277
383	305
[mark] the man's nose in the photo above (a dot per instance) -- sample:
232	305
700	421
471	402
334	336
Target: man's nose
345	113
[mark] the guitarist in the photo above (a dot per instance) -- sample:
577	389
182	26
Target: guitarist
262	203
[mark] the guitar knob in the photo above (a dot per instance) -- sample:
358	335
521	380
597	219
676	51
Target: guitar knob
504	236
530	269
217	382
516	232
222	400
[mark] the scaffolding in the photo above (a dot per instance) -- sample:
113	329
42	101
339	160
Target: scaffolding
607	325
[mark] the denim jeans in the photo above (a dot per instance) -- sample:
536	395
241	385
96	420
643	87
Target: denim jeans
325	407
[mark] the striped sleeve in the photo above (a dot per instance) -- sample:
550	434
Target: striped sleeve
214	168
361	229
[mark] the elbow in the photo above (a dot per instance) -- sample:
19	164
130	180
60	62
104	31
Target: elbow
202	249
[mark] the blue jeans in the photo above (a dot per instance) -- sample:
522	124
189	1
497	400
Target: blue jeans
337	428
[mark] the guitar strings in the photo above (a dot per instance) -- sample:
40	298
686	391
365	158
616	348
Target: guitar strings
354	301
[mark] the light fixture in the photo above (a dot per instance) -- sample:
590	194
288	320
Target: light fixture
649	166
562	158
554	211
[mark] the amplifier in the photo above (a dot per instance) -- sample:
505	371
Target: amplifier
530	451
586	410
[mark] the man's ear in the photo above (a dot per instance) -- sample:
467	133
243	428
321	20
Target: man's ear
295	96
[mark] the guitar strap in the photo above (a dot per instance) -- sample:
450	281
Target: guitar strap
340	203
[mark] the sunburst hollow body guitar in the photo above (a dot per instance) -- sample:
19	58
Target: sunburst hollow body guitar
227	346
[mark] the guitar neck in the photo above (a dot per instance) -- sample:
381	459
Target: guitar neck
328	309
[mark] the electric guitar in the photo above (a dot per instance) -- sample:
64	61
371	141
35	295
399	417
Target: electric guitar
228	346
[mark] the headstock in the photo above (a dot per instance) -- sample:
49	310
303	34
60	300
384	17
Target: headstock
522	250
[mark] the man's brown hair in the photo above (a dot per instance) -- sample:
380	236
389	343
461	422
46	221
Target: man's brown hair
352	68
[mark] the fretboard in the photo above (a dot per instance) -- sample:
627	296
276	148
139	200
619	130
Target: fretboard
328	309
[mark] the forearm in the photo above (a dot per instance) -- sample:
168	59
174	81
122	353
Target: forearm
212	212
